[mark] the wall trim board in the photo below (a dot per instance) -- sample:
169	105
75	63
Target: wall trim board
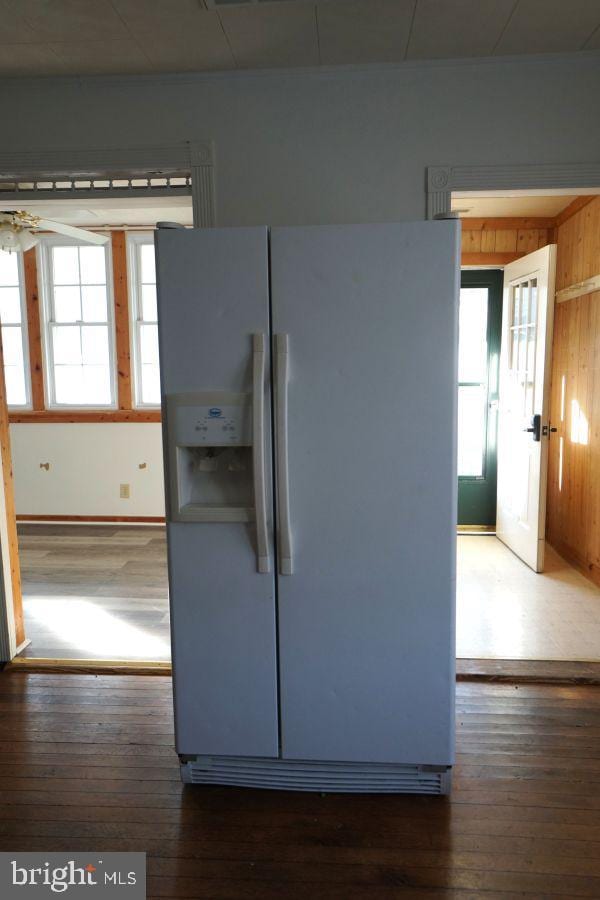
83	416
494	260
44	162
155	520
573	208
442	180
589	286
89	666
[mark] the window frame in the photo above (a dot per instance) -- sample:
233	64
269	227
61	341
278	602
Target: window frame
46	288
24	326
136	239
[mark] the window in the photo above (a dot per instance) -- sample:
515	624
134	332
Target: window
79	337
14	334
144	327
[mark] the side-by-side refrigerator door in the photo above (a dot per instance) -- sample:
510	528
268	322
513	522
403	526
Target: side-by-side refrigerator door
365	333
213	315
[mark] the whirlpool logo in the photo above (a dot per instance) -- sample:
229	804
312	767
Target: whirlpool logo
115	875
215	412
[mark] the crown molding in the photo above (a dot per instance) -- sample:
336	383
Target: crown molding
178	79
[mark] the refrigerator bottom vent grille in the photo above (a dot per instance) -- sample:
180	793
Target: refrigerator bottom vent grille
299	775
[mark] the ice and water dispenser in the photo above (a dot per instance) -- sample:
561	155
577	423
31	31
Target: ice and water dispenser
211	442
216	452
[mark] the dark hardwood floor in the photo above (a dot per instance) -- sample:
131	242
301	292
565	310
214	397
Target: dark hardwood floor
95	591
86	762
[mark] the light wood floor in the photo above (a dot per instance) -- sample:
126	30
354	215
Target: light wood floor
506	611
100	592
95	591
87	763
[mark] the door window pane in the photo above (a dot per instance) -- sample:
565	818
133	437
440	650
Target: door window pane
472	376
472	346
471	430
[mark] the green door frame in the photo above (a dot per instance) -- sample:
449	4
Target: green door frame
477	495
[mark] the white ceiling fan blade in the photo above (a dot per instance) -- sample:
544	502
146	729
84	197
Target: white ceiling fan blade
28	240
72	231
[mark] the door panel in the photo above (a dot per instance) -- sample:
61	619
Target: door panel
528	310
212	297
480	328
366	620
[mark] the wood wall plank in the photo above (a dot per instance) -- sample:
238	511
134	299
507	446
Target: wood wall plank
34	333
114	415
573	507
498	241
123	346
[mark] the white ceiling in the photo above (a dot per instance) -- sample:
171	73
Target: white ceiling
147	211
42	37
94	213
496	206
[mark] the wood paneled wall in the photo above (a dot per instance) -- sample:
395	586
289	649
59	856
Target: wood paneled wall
573	507
496	242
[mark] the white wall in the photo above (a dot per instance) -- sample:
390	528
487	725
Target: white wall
88	463
293	147
333	146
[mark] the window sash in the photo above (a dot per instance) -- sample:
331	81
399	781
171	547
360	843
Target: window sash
22	326
135	241
50	323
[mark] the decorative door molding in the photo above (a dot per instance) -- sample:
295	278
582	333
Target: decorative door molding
442	180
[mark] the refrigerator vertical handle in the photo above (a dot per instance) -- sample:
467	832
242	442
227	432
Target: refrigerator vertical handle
281	441
263	562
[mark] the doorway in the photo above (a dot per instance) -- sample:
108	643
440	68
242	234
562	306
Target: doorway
505	610
480	324
85	436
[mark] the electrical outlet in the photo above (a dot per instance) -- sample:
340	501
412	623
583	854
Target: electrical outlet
124	492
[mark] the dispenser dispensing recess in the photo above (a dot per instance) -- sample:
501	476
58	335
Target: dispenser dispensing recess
210	444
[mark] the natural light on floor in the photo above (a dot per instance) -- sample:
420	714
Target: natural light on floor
80	623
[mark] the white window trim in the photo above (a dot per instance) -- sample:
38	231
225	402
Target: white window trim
24	337
45	286
135	239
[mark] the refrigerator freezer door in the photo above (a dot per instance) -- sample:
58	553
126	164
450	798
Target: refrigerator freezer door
366	619
213	299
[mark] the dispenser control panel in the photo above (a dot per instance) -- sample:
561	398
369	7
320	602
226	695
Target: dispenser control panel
212	423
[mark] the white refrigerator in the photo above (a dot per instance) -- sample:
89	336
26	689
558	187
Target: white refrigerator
309	418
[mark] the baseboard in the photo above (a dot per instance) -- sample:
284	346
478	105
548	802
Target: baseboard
88	666
25	517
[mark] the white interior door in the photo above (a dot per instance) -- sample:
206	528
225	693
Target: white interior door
524	397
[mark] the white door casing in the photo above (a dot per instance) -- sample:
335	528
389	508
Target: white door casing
524	403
